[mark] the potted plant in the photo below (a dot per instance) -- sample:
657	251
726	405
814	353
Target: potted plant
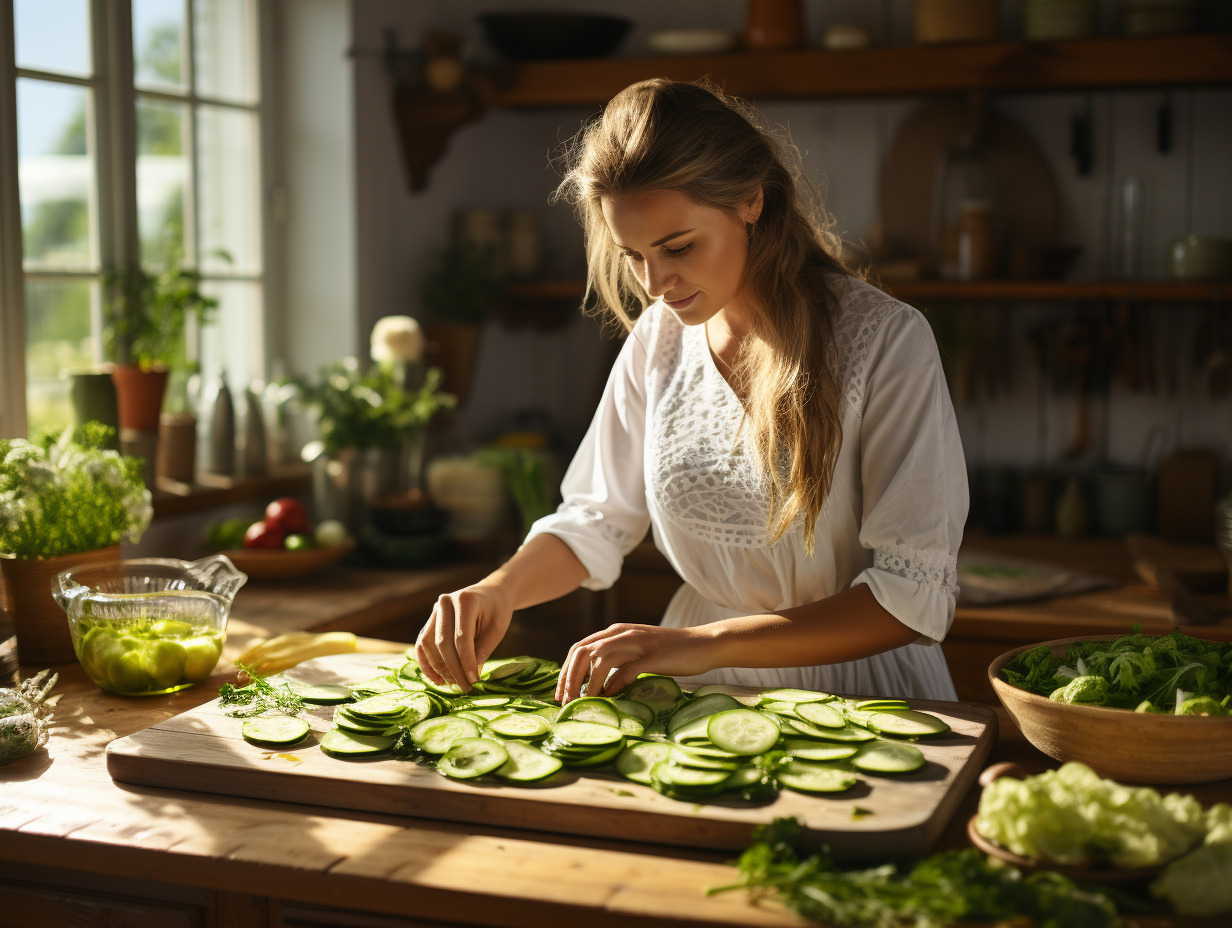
64	501
146	314
459	295
370	421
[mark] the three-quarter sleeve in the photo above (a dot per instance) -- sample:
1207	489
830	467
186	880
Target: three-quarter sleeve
603	513
914	477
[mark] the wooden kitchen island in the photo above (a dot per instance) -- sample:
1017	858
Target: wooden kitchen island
79	849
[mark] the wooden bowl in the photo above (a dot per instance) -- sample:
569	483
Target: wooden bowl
272	564
1134	747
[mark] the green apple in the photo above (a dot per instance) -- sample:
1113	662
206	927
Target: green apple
200	655
164	661
127	671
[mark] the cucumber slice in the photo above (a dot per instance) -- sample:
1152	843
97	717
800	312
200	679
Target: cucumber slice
742	731
343	744
635	761
814	778
794	695
634	709
819	751
738	693
526	764
590	709
671	774
324	694
589	734
907	724
631	727
383	706
483	702
696	708
274	731
881	704
658	692
847	733
888	757
436	736
468	758
683	757
598	759
820	714
520	725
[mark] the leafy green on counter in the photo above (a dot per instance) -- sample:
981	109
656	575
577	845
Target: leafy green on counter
1200	883
258	696
947	887
1173	674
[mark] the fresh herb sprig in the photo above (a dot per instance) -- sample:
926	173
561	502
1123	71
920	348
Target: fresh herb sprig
947	887
258	696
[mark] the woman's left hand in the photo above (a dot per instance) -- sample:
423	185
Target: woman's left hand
615	656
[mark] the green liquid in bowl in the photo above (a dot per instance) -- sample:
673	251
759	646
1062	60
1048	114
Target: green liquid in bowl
147	644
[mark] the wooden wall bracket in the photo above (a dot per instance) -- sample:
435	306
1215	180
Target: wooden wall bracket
426	120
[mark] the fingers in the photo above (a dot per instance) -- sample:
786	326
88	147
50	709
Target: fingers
592	661
425	650
466	615
622	678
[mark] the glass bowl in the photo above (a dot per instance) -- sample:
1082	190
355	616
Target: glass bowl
151	625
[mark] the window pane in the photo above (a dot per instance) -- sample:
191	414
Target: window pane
234	342
53	35
162	179
229	200
56	174
158	43
222	31
59	338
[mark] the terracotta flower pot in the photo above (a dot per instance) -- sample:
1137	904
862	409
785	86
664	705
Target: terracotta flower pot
139	396
25	599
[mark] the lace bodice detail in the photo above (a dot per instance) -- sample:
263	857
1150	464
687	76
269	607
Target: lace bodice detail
697	467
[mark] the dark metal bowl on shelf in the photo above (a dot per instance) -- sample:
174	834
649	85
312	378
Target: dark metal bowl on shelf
546	35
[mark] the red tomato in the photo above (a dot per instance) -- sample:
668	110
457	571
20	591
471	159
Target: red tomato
288	516
263	535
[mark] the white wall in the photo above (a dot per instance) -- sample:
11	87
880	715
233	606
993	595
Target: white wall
503	161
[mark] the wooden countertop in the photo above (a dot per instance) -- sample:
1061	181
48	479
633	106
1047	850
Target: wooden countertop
60	809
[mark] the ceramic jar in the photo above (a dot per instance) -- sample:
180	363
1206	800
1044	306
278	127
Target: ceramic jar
774	25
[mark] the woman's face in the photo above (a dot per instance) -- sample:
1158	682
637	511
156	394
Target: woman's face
690	256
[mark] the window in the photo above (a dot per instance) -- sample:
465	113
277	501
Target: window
150	152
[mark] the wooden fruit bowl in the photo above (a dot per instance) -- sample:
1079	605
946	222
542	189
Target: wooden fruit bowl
273	564
1134	747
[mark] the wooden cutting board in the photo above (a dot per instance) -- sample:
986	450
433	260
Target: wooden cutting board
202	750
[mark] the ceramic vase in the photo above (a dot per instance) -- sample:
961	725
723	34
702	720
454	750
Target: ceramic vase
25	600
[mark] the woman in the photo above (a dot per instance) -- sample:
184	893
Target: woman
783	427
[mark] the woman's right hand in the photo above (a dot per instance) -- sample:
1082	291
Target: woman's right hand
464	628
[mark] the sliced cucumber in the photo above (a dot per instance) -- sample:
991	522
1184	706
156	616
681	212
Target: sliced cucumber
631	727
672	774
814	778
520	725
634	709
384	705
844	734
742	731
590	734
436	736
590	709
881	704
526	764
696	708
343	744
324	694
888	757
274	731
468	758
794	695
635	761
907	724
660	693
738	693
820	714
819	751
683	757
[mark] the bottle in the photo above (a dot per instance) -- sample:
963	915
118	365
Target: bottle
221	452
1071	516
253	451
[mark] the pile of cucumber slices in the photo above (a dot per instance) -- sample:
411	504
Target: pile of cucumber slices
689	746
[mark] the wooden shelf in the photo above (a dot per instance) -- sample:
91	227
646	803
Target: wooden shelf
1145	291
911	70
173	498
991	291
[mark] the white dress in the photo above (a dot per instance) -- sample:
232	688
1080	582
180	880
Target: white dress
662	452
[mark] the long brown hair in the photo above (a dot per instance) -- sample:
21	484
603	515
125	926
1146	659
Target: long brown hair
666	135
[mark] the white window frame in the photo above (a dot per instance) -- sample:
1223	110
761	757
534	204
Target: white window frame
115	99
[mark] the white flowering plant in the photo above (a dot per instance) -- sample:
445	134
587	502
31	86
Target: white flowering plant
68	494
376	407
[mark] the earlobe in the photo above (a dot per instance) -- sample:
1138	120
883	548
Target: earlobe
752	210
